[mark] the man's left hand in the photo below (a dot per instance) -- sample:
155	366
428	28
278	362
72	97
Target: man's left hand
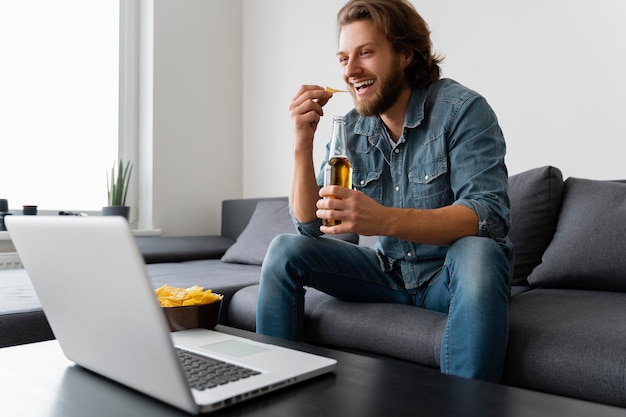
357	212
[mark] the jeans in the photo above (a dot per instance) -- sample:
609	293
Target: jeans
472	287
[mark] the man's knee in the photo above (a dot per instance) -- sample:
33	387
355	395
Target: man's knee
479	259
473	246
288	249
285	245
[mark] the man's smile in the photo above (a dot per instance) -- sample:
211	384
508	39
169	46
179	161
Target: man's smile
361	87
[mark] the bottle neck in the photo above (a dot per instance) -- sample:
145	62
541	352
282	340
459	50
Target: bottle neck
338	143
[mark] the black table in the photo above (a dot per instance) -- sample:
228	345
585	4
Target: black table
37	380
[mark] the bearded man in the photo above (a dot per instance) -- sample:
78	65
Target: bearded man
429	180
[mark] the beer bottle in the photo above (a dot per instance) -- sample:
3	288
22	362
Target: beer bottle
338	170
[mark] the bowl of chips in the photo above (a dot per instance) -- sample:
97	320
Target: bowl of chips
189	308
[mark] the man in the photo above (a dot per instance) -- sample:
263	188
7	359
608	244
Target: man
430	181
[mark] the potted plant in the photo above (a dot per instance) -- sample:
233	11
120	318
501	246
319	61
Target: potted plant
117	189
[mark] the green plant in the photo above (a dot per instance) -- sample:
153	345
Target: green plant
117	186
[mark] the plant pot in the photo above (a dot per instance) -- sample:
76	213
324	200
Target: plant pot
123	211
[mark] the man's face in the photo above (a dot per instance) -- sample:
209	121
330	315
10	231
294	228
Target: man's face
372	69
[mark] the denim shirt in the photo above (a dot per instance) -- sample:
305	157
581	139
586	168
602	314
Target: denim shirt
451	152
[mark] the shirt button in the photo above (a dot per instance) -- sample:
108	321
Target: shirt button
362	182
426	177
397	188
396	150
409	254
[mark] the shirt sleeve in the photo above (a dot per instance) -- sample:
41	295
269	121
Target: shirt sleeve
478	173
311	229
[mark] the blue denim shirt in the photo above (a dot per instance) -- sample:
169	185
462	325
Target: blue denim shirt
451	152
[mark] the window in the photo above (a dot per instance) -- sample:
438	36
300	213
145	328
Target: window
59	101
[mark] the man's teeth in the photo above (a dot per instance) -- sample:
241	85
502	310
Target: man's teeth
363	84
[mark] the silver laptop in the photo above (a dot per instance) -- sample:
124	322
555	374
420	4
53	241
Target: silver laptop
95	291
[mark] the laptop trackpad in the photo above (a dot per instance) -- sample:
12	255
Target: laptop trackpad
234	348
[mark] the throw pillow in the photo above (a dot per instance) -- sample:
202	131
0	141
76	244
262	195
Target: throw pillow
587	251
269	219
535	197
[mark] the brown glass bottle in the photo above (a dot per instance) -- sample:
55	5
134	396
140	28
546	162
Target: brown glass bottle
338	170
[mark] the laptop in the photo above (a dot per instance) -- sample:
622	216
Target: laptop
93	286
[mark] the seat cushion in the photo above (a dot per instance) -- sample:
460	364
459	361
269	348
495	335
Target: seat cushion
242	309
211	274
395	330
569	342
22	319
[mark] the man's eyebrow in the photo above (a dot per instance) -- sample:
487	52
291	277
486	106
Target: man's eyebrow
365	45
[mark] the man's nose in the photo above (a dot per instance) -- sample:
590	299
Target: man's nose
352	68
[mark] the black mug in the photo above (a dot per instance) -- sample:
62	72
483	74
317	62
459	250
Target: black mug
29	210
4	211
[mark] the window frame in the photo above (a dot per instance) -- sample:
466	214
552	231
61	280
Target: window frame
128	119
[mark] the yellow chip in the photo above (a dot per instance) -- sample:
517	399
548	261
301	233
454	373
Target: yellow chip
169	296
334	90
195	288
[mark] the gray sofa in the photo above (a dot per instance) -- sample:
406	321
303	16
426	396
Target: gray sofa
568	300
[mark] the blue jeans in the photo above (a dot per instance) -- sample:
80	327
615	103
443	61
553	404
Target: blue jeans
472	287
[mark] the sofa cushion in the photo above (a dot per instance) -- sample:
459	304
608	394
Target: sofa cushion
535	201
21	318
568	342
221	277
242	308
588	247
269	219
383	328
236	214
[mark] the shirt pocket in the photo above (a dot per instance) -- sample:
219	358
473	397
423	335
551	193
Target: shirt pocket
369	183
430	185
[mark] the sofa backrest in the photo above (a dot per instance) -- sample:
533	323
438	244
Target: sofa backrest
236	214
568	234
588	246
535	197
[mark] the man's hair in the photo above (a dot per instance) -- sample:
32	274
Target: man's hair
404	28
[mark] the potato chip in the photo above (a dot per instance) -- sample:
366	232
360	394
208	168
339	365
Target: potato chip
334	90
169	296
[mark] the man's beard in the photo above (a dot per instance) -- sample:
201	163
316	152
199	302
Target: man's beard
387	93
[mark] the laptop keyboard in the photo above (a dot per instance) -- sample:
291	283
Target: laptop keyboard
205	373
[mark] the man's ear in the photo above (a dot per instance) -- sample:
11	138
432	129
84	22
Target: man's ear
407	57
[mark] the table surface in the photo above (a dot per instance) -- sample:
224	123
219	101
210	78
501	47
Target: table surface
37	380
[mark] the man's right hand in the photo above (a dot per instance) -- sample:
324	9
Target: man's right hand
306	109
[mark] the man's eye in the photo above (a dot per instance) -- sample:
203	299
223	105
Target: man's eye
343	60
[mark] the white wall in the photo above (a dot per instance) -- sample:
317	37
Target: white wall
287	43
196	114
552	70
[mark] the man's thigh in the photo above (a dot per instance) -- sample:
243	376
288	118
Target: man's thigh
353	273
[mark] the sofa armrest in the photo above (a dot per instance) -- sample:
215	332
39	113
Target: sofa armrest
182	248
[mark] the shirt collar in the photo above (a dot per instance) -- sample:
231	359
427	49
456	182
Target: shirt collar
371	126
